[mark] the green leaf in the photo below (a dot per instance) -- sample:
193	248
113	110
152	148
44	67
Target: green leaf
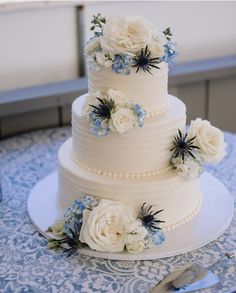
49	229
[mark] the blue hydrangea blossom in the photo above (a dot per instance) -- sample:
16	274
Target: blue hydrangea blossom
170	53
74	214
121	64
141	114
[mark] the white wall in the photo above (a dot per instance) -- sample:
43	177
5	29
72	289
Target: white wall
202	29
37	46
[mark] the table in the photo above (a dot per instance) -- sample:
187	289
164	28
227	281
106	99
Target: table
27	265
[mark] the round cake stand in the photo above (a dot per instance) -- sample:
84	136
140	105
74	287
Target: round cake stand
212	220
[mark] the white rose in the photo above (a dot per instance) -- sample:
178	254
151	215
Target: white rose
135	247
126	35
118	97
209	139
122	120
190	169
103	228
160	36
103	60
92	45
156	45
135	232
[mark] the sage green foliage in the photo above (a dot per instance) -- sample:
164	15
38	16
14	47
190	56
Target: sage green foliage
167	32
97	22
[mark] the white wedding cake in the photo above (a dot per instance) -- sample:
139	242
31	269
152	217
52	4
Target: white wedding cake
130	171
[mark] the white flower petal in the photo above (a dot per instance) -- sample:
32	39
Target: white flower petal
103	228
126	35
209	139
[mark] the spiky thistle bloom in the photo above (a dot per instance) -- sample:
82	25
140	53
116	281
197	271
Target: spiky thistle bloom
182	146
73	242
144	61
149	218
103	109
70	244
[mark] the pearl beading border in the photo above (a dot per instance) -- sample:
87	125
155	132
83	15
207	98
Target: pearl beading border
169	227
148	114
183	221
159	112
120	174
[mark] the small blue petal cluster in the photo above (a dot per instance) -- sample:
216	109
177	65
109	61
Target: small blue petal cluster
157	237
121	64
170	53
141	114
74	214
99	127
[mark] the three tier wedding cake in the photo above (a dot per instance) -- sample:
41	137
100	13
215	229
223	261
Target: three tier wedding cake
130	171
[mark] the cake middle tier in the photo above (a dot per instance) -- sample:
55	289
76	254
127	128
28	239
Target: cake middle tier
140	150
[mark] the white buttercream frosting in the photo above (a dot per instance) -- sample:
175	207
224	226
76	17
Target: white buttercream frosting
143	150
148	90
179	199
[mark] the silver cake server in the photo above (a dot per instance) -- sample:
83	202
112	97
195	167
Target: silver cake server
190	277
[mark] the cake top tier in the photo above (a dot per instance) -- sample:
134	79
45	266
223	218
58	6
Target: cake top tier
127	44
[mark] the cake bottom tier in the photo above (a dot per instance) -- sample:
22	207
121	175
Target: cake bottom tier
180	199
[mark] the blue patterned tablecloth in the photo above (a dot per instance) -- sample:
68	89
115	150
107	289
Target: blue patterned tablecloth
27	265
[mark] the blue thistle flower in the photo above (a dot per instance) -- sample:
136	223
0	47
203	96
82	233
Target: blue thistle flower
149	218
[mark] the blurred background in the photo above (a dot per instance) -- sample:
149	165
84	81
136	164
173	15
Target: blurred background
42	68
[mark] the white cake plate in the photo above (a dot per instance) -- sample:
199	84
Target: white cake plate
212	220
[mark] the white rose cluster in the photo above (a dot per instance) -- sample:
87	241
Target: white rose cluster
136	237
103	228
122	120
103	60
206	144
104	225
123	116
190	168
156	45
122	38
209	139
126	35
111	227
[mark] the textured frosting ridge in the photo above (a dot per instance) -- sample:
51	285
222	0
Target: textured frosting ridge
167	191
140	151
149	90
122	175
